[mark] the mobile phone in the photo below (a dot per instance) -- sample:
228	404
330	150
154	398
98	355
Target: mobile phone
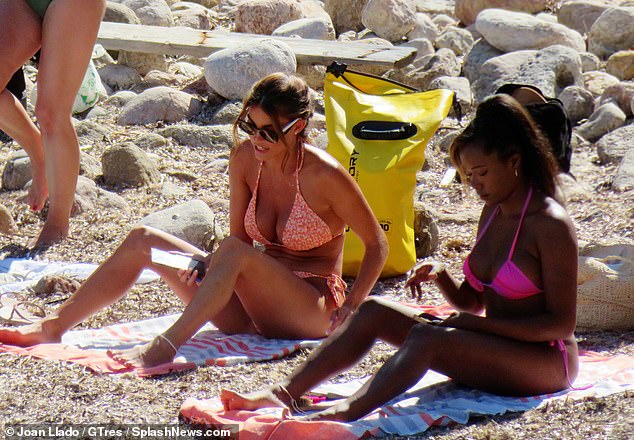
178	261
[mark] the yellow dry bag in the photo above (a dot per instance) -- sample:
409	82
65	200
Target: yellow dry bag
378	130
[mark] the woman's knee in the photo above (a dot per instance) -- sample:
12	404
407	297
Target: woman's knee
428	336
232	248
51	119
139	239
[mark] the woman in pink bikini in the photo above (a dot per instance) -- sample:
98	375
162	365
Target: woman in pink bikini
521	272
289	196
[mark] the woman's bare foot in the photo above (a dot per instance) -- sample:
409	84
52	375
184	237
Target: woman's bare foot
40	332
154	353
337	413
38	191
49	235
252	401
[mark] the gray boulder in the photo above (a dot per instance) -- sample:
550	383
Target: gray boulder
624	179
197	136
159	104
232	72
612	147
192	221
611	32
128	165
604	119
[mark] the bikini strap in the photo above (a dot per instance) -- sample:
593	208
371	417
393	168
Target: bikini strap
257	182
519	226
486	225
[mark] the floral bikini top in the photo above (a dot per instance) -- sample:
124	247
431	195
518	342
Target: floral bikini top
304	229
509	282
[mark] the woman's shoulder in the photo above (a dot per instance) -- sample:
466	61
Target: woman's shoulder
242	154
321	162
551	221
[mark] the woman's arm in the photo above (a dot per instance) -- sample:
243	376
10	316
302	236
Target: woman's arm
461	296
348	203
239	190
557	247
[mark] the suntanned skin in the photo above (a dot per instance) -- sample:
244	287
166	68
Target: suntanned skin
244	289
66	37
506	352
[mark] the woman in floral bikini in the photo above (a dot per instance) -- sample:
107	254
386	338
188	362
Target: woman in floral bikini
289	196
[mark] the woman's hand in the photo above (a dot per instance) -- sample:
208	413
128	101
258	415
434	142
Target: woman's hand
424	271
339	316
192	276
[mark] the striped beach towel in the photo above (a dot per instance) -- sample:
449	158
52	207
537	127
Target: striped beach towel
434	401
208	347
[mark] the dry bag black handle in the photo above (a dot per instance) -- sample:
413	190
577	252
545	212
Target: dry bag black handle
384	130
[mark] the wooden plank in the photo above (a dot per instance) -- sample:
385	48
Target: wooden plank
187	41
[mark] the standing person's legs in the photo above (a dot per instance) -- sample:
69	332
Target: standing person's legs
20	36
69	32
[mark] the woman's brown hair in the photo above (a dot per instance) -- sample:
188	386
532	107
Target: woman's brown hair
279	95
502	126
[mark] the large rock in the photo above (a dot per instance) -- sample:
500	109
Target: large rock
480	53
550	69
345	14
118	13
443	63
426	232
319	28
589	61
159	104
621	64
151	12
192	15
624	179
7	224
91	132
511	31
143	62
119	77
264	16
192	221
468	10
460	86
128	165
596	81
581	15
612	31
232	72
89	196
197	136
17	171
612	147
621	94
604	119
389	19
457	39
424	27
579	103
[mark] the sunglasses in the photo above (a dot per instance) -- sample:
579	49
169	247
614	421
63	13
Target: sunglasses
268	134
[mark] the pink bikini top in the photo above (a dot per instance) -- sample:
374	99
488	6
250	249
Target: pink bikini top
509	282
304	229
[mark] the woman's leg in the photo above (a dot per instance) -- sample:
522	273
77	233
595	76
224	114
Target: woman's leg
20	36
110	281
279	303
340	351
483	361
69	31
